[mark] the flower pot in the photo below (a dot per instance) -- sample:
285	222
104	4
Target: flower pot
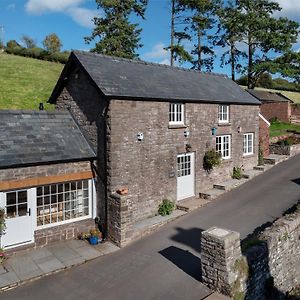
93	240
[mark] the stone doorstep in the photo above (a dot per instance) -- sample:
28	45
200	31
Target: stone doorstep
229	184
252	173
211	194
191	204
274	159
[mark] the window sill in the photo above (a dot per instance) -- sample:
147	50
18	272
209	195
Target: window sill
177	126
224	124
248	155
227	160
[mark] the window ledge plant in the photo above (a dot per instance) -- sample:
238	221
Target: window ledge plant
211	159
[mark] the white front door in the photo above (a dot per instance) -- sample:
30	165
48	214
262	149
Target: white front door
185	175
18	210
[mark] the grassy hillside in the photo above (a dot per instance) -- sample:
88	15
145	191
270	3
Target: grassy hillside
291	95
25	82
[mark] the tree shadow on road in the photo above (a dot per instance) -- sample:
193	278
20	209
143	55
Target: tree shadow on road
184	260
189	237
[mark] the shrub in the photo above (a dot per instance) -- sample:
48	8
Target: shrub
292	140
274	120
166	207
237	173
211	159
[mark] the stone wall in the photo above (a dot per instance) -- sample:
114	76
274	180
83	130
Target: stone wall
267	270
279	110
16	174
285	150
43	237
148	167
88	107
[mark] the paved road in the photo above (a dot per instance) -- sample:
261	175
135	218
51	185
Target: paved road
166	264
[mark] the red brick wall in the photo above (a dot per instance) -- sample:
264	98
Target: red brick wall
295	110
264	136
281	110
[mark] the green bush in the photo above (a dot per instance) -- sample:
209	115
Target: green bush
166	207
237	173
211	159
292	140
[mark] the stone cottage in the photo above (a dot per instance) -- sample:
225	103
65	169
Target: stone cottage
150	126
273	105
46	178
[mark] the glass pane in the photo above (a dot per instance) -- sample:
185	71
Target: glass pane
39	201
39	191
46	200
11	211
11	198
22	197
60	188
53	189
46	190
22	209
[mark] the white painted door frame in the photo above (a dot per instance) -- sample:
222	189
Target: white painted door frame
185	175
20	229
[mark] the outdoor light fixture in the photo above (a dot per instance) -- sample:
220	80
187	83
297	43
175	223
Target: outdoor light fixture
140	136
186	133
239	129
214	131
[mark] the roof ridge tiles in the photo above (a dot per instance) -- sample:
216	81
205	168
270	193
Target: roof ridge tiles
142	62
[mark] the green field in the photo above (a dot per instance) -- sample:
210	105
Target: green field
278	128
25	82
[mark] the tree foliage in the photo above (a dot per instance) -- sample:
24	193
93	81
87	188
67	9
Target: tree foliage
52	43
114	34
28	41
266	36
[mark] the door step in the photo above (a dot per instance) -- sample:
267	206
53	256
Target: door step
230	184
191	204
211	194
252	173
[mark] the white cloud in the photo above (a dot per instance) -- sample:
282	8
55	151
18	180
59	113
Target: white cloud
290	8
38	7
157	54
80	15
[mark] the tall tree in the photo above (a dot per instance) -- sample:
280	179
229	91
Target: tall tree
52	43
178	35
201	20
265	36
229	35
28	41
114	33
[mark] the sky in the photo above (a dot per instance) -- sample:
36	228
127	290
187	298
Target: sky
71	20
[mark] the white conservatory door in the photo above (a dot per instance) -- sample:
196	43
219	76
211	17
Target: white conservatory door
18	212
185	175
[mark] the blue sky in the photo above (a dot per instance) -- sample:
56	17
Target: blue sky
71	20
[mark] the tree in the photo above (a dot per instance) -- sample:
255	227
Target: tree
52	43
28	41
178	35
201	21
265	35
230	31
13	44
114	34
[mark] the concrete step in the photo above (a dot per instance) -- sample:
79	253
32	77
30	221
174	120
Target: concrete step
251	173
211	194
229	184
191	204
274	159
263	168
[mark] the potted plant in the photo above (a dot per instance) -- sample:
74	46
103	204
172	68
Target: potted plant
2	231
95	236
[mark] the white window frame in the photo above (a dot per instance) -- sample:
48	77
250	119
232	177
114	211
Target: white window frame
90	213
224	145
223	114
246	145
176	114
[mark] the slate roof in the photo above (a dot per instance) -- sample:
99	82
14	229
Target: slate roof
267	96
30	137
134	79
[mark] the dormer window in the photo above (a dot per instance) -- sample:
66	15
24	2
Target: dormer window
176	114
223	114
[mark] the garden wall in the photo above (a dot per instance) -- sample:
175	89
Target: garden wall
285	150
267	270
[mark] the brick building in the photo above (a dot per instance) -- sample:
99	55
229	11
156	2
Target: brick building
151	126
273	105
46	178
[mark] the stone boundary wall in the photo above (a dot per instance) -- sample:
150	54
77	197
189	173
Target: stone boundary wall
295	109
285	150
267	270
